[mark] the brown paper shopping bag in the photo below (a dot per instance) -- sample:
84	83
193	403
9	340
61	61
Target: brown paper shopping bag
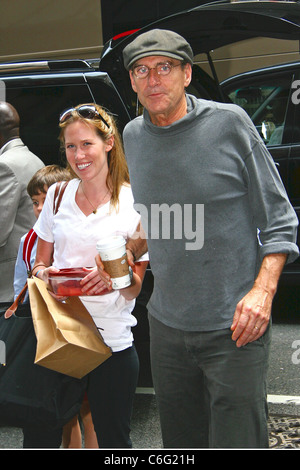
68	340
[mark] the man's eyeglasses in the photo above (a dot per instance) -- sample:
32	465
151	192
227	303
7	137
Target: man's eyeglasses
142	71
85	111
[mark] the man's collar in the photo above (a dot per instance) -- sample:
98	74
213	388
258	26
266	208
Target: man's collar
4	147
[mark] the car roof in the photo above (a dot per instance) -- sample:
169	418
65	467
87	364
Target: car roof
214	25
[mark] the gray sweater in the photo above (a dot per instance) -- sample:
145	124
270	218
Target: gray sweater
207	176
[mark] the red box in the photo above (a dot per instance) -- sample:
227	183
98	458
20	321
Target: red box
66	282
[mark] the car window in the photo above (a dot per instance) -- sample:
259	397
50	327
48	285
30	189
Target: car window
39	107
202	85
266	103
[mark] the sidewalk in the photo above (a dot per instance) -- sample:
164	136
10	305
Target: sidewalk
284	425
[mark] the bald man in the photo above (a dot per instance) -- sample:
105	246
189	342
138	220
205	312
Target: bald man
17	166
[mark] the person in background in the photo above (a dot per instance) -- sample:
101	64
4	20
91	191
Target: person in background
210	309
17	166
97	204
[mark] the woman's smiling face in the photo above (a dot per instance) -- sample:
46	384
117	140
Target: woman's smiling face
85	150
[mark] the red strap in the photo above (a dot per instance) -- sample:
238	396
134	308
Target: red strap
12	309
27	247
59	192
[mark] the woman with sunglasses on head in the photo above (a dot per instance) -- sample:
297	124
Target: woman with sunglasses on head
97	204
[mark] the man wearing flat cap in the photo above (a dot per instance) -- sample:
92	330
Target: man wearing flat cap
203	164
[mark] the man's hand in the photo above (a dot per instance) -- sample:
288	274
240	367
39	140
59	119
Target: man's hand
253	312
251	316
136	246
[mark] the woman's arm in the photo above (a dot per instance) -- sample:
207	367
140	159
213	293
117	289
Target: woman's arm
134	289
138	273
43	260
91	284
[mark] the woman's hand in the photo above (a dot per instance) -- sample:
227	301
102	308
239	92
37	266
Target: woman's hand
44	275
104	276
93	284
132	291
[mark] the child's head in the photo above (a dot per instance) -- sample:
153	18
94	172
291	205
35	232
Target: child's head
41	181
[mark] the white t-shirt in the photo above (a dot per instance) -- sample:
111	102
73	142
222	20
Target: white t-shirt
75	236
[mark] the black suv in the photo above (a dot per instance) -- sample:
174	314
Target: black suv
41	90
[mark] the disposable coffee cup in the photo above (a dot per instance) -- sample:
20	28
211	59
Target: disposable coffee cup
114	258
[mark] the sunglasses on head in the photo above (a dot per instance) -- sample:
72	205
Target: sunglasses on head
86	111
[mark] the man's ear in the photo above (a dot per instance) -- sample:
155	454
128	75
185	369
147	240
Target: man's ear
132	81
188	75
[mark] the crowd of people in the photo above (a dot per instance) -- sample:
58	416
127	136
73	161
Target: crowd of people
210	310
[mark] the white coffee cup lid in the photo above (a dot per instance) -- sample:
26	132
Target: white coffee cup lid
110	243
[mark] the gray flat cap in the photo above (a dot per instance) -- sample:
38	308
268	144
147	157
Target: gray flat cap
157	42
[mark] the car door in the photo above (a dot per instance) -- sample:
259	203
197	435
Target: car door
294	162
266	97
270	98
